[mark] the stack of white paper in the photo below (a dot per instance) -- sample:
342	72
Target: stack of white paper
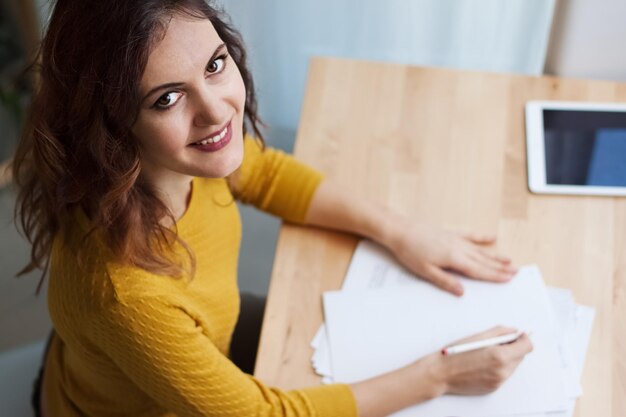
384	318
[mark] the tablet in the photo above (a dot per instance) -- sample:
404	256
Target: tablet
576	147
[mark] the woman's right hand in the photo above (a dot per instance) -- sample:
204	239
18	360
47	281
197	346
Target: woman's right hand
482	370
475	372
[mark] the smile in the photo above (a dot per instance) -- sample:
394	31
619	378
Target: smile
216	141
215	138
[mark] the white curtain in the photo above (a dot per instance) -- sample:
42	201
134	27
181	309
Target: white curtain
492	35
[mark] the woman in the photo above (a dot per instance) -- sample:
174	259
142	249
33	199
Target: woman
136	147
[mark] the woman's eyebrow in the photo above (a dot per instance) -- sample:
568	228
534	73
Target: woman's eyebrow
217	51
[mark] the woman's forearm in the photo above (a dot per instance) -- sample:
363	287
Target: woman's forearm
391	392
336	208
425	250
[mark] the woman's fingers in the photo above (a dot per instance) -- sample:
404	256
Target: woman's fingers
487	334
473	266
432	254
444	280
519	348
479	238
500	258
494	259
489	268
484	370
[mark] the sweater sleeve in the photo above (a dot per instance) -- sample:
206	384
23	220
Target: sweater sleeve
274	182
162	350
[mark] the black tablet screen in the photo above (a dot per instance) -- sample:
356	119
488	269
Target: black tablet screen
585	147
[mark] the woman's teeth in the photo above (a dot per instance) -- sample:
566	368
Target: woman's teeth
215	138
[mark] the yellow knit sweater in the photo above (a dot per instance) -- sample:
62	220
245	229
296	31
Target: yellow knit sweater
132	343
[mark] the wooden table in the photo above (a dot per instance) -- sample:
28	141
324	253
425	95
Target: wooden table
447	147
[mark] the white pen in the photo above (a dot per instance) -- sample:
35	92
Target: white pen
465	347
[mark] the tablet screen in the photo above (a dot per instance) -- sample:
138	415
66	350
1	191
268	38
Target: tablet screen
585	147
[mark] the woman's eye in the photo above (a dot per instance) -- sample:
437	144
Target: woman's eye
217	65
167	100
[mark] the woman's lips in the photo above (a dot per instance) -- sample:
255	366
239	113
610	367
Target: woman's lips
215	142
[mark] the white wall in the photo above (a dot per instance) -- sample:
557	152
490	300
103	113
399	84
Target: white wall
589	40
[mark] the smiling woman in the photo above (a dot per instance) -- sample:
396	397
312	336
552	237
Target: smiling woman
89	128
191	110
136	146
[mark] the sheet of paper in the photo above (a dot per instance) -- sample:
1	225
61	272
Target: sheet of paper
581	336
374	268
574	322
372	332
321	359
565	309
578	336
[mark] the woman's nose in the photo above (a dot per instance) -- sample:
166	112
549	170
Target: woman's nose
210	109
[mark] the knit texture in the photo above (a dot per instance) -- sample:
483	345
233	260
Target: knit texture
133	343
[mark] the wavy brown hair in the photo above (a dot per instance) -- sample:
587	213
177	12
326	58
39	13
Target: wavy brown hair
77	150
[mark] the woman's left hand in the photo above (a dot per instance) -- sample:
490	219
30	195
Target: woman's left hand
426	251
431	253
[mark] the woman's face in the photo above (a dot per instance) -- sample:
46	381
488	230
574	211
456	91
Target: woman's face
192	106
